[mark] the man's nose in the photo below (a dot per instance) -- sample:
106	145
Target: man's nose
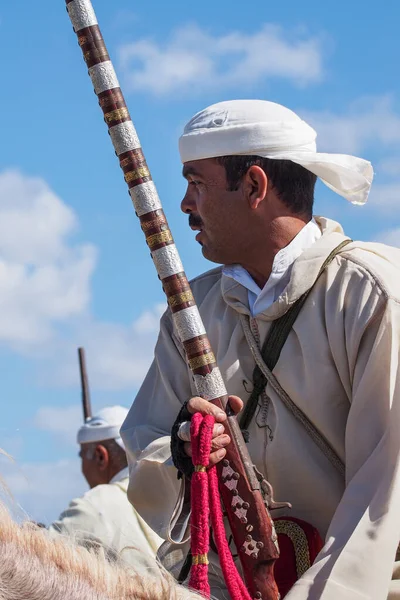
188	205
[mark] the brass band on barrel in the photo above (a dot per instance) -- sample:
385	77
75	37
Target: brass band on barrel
175	284
119	115
93	46
132	158
128	161
158	240
134	166
112	103
160	223
196	346
140	173
200	355
201	361
180	301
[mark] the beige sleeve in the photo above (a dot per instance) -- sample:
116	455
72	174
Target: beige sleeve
357	559
80	521
153	484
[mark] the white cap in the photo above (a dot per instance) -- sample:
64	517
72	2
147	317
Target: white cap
269	130
104	426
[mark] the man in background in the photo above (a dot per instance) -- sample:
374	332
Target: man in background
104	516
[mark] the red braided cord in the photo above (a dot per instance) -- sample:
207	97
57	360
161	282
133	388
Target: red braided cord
201	435
234	583
205	499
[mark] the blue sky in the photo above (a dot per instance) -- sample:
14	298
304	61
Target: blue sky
74	269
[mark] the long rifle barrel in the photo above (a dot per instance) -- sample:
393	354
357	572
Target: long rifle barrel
251	524
86	404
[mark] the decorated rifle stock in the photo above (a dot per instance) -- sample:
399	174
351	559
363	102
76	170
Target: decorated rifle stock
251	524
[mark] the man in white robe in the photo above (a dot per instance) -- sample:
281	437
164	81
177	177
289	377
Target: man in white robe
103	515
251	168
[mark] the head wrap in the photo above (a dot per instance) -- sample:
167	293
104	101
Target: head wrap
269	130
104	426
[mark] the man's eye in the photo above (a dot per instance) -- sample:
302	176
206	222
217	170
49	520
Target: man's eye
195	182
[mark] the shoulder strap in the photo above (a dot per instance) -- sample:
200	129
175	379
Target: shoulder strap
281	327
270	378
273	344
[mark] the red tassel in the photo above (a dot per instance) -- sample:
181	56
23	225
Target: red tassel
201	435
205	496
234	583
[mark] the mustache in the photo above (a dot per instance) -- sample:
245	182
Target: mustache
195	221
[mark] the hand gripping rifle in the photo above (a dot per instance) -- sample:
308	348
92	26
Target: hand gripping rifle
250	521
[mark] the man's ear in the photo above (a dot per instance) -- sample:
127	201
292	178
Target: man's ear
102	457
255	185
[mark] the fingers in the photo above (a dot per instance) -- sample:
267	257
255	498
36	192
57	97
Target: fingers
220	439
197	404
235	403
184	431
204	407
218	430
218	444
215	457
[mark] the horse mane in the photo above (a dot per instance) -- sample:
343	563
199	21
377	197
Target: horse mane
37	566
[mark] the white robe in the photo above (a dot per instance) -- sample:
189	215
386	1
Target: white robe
340	366
104	515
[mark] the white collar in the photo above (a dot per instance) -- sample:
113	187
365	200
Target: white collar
123	474
259	299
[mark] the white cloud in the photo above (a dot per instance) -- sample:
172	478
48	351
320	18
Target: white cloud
45	297
390	237
118	356
367	122
45	282
44	279
193	60
42	490
385	197
60	421
148	321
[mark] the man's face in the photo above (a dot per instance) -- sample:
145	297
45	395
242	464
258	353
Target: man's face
90	469
218	214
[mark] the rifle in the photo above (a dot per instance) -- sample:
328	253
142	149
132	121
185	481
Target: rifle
251	524
86	404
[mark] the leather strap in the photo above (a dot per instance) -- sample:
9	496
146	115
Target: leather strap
298	414
274	342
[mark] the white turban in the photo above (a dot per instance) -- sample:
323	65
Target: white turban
104	426
269	130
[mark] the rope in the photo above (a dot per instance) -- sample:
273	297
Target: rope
206	504
201	434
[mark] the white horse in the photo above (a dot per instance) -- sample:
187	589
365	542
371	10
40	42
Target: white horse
36	566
